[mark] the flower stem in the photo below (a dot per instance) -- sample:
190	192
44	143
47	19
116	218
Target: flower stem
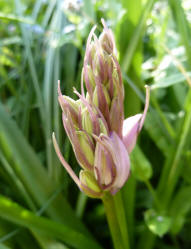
116	220
120	212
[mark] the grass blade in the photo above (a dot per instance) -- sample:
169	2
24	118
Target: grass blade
16	214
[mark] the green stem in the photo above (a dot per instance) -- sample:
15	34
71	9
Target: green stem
147	240
163	117
154	195
136	36
129	206
120	213
172	170
116	221
175	169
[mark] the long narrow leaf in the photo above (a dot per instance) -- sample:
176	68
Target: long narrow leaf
30	171
16	214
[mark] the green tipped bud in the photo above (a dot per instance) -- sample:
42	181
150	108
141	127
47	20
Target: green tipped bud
88	97
74	104
87	147
96	98
106	43
96	65
116	83
90	76
70	106
103	129
86	121
92	52
89	184
78	103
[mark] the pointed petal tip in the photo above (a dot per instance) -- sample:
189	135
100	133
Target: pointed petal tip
103	22
59	89
75	91
91	34
146	106
53	135
130	131
63	161
54	138
82	82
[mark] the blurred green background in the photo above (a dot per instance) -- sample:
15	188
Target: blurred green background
43	41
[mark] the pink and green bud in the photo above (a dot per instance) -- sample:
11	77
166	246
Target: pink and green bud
71	106
112	163
86	181
89	184
81	143
96	97
103	127
107	40
86	144
89	78
116	116
99	56
101	100
101	139
88	123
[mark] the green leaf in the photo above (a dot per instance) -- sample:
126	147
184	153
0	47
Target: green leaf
157	131
186	171
48	243
136	36
31	172
158	224
141	167
182	25
179	209
16	214
11	17
170	81
88	9
2	246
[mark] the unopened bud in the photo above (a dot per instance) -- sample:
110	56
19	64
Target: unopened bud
97	96
71	106
74	104
89	184
87	124
116	115
96	65
103	128
92	51
104	165
87	148
89	76
111	162
106	43
116	83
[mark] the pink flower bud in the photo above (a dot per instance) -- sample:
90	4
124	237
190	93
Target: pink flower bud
116	116
112	163
89	184
133	125
95	125
107	39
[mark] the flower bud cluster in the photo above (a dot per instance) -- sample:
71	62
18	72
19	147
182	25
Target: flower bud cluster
100	137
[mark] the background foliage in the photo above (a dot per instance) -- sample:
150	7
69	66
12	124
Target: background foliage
43	41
